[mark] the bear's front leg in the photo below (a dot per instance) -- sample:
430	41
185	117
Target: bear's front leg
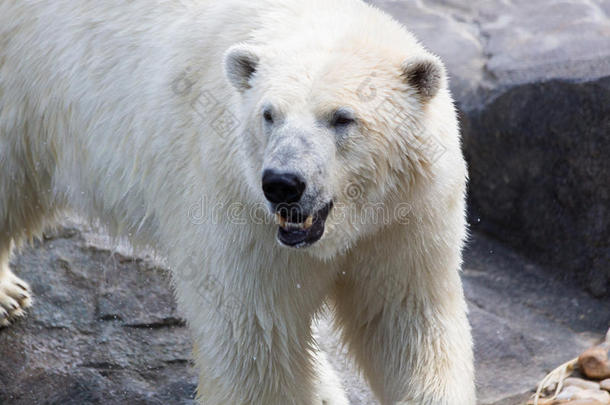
328	389
252	329
403	316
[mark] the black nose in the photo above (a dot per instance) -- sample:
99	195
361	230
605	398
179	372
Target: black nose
282	187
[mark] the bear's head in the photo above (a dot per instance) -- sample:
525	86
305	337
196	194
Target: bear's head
334	140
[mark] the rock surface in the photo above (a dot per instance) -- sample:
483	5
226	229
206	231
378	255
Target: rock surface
594	363
574	393
491	45
104	328
532	81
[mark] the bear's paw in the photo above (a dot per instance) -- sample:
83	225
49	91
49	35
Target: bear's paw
15	297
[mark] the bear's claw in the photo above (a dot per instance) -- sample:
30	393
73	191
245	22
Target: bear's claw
15	297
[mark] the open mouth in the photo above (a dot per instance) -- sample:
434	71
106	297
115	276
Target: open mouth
305	233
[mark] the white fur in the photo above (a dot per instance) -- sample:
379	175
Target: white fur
100	111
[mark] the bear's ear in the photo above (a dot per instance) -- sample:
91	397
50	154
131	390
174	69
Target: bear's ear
240	63
425	75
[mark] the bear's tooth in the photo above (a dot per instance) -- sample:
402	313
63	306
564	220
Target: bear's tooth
280	220
308	222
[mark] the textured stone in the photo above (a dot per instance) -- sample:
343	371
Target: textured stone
594	362
493	44
580	402
540	179
581	383
103	330
575	393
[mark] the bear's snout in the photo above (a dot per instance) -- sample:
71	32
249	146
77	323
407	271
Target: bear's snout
283	187
300	224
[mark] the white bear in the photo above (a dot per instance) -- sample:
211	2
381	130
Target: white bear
280	154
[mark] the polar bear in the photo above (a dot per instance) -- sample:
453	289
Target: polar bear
282	155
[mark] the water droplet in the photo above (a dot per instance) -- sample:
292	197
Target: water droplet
298	285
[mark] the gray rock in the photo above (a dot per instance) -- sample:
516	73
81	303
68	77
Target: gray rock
540	176
103	330
532	81
489	45
445	31
524	322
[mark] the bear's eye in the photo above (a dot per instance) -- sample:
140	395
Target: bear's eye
343	118
268	116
